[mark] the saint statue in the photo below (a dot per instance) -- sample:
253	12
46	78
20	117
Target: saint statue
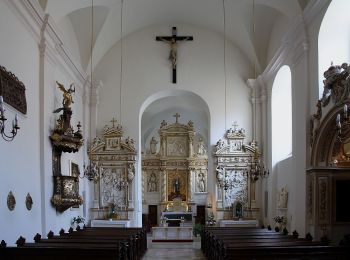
152	183
176	185
201	148
153	145
67	94
283	198
201	182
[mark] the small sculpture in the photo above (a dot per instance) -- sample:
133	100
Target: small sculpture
201	182
153	145
67	95
283	198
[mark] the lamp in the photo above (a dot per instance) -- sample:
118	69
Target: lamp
15	126
257	167
91	171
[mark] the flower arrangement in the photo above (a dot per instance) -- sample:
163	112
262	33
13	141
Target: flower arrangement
280	219
78	220
211	221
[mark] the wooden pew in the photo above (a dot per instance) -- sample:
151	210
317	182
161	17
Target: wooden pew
89	243
252	243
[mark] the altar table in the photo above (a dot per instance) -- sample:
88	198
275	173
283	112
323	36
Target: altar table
172	233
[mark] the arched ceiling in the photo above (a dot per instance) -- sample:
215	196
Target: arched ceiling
138	14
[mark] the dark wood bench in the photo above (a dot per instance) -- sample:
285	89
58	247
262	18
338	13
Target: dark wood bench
115	243
252	243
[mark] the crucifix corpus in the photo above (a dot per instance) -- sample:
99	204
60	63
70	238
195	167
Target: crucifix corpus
172	40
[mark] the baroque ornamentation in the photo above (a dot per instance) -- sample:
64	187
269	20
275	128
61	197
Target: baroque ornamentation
64	139
12	90
116	157
11	201
179	168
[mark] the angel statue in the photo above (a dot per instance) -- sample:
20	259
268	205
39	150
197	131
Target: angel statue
67	94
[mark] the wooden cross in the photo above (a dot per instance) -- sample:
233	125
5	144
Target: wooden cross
177	115
113	121
172	40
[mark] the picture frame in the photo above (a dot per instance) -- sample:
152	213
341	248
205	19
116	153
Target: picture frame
74	171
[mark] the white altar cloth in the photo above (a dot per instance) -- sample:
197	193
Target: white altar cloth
172	233
110	223
238	223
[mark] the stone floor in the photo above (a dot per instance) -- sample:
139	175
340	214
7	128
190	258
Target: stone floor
166	253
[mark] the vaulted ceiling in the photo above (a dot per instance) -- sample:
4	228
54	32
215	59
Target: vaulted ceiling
74	20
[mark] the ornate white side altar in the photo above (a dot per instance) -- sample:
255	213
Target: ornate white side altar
172	233
110	223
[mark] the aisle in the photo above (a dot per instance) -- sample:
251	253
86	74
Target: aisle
166	253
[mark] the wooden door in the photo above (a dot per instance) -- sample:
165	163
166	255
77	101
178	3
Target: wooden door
200	219
153	215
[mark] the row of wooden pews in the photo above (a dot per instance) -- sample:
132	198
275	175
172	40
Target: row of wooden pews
83	244
223	243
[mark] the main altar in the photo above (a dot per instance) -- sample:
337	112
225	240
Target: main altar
175	171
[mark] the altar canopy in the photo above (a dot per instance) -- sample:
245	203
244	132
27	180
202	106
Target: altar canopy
177	169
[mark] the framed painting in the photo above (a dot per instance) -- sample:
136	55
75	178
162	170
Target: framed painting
74	171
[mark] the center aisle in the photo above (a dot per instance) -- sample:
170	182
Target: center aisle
166	253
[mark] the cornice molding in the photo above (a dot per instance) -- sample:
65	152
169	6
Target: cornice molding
294	45
50	40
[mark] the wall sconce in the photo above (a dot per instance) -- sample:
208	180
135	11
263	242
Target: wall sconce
15	126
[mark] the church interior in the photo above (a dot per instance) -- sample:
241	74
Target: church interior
163	113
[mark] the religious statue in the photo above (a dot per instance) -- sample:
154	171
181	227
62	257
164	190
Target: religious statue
283	198
220	144
152	183
220	174
201	182
176	185
201	148
153	145
131	170
67	94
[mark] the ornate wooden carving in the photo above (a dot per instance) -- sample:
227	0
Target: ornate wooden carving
13	90
64	139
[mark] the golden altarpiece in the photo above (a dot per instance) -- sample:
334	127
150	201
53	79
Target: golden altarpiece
115	159
236	186
328	177
176	170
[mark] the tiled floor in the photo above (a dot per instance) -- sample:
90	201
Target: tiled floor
187	253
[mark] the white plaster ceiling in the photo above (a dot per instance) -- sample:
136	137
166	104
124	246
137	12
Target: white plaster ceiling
139	14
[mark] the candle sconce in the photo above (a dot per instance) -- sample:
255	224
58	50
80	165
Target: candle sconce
15	126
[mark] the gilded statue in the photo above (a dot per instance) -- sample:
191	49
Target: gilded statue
67	94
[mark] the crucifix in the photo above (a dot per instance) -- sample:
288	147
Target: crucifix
113	121
172	40
177	115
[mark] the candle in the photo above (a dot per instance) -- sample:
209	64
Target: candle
1	105
338	121
345	111
16	120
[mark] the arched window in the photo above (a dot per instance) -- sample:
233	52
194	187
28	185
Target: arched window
281	103
334	38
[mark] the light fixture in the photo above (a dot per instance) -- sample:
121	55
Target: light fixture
15	126
257	167
91	171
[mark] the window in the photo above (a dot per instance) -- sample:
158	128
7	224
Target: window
334	38
281	107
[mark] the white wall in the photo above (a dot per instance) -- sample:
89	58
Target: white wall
27	160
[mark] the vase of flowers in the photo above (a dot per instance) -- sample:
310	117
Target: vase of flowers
78	221
280	221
